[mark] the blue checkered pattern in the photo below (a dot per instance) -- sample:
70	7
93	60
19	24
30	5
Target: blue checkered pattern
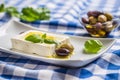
64	19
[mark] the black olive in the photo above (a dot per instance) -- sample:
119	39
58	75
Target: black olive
84	20
89	13
98	26
94	13
115	22
62	52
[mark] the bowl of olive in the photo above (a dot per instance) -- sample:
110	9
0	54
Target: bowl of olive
99	23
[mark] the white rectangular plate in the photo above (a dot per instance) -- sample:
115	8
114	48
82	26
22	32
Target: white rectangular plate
78	59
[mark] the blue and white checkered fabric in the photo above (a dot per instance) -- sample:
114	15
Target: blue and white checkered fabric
64	19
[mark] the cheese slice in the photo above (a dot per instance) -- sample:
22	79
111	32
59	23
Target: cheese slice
42	49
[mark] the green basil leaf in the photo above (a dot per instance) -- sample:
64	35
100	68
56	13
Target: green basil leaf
44	36
49	41
27	18
35	38
12	11
92	46
2	8
30	14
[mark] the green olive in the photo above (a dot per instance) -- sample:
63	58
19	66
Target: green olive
109	16
102	18
108	26
67	46
92	20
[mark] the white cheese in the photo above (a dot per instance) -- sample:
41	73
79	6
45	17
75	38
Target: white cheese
42	49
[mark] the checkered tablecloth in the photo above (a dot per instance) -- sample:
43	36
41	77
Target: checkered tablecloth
64	19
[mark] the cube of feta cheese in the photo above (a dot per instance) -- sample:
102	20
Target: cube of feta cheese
42	49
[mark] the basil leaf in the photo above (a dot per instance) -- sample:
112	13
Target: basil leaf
49	41
35	38
28	14
92	46
12	11
44	36
2	8
27	18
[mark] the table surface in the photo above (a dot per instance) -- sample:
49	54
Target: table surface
64	19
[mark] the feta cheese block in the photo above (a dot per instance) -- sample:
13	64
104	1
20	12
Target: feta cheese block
19	42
